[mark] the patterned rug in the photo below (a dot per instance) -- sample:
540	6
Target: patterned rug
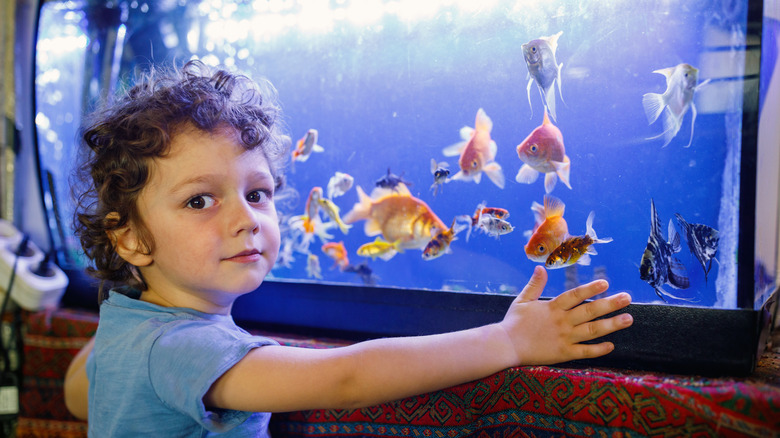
518	402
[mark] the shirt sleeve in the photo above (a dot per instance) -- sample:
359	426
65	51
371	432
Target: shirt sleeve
188	357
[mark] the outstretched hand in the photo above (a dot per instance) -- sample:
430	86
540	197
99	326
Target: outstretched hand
547	332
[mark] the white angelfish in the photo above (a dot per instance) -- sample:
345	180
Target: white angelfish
543	68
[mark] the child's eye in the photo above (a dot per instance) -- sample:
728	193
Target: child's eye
200	202
258	196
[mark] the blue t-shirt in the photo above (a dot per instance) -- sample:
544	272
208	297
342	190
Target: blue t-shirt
152	365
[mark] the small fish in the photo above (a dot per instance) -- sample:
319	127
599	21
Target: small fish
305	146
494	226
681	84
313	267
483	210
380	248
337	252
364	272
577	249
440	172
339	184
702	241
477	152
396	215
658	266
550	230
286	258
311	212
539	56
391	181
543	152
332	210
441	239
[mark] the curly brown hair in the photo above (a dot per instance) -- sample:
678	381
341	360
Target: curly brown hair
121	139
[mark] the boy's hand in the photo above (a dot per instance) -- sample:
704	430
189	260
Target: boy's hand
547	332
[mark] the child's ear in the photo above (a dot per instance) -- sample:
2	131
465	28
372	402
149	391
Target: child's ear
127	243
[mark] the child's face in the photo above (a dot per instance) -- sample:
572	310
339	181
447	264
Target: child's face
209	207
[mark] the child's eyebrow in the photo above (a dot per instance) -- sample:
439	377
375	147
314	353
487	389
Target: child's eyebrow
260	176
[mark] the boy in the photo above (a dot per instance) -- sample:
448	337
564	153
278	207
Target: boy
180	179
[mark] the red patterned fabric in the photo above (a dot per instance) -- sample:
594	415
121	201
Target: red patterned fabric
518	402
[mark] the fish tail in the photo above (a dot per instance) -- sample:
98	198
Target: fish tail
693	120
495	173
362	208
592	233
653	103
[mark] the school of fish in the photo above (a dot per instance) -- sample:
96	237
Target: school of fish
399	221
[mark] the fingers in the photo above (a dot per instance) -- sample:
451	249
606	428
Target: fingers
595	329
576	296
533	290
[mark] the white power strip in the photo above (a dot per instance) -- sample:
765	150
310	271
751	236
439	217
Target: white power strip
30	291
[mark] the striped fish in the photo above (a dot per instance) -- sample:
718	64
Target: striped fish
702	241
658	266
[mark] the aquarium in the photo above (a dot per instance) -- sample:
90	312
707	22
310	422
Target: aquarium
440	150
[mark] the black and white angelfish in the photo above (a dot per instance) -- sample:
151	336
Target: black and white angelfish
658	266
702	241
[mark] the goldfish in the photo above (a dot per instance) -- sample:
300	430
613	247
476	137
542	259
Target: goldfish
380	248
550	231
658	266
702	242
312	209
681	84
543	151
305	146
440	172
396	215
577	249
391	180
313	267
332	210
494	226
539	55
440	242
337	252
484	210
339	184
477	152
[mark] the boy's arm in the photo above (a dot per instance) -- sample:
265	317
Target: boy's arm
276	379
76	384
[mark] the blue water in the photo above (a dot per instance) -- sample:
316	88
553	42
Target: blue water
393	92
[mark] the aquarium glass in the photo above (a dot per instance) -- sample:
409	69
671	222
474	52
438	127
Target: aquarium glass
389	87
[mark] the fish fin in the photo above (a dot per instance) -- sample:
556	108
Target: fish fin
701	84
434	165
538	210
553	41
584	260
528	92
388	255
562	169
592	233
466	132
667	72
483	122
477	177
402	190
549	99
362	208
550	178
678	275
494	172
655	226
454	149
558	80
317	148
526	174
372	228
674	237
654	104
553	206
460	176
492	149
671	127
693	120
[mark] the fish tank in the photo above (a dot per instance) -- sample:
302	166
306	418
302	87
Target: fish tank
440	150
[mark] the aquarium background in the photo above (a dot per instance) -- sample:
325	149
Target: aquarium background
388	85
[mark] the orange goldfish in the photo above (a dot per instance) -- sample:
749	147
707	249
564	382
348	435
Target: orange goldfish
577	249
306	145
550	230
396	215
312	209
477	152
337	252
440	242
543	151
483	210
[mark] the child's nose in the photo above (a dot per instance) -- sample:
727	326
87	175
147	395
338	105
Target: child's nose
242	217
